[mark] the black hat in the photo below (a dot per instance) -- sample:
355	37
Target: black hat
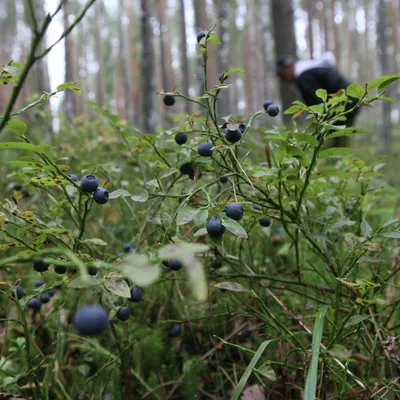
282	62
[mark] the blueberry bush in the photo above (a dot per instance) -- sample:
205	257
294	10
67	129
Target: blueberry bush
198	261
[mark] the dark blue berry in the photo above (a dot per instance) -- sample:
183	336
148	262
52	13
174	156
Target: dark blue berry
267	103
89	183
233	136
136	294
265	221
175	331
40	266
349	209
123	313
215	227
20	292
204	149
200	36
38	283
60	269
52	292
175	264
101	196
181	138
91	320
74	177
169	100
45	298
242	127
34	304
186	169
273	110
92	271
234	211
246	333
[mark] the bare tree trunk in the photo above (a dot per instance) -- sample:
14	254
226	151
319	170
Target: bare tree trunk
70	97
285	44
134	69
184	55
98	8
386	125
336	45
310	31
200	25
325	22
147	68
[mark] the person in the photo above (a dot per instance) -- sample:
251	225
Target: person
310	75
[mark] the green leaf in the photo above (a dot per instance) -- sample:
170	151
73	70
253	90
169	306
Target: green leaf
185	215
234	227
367	259
366	229
197	277
355	320
20	146
347	132
245	377
267	372
341	224
293	109
213	39
383	81
118	287
233	71
305	137
140	196
336	151
167	172
355	90
391	235
322	94
312	375
139	269
200	232
16	126
83	282
340	352
275	137
70	86
231	286
118	193
96	241
319	236
201	217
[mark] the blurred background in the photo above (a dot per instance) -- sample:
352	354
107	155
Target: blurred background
126	51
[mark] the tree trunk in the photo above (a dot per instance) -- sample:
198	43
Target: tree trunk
184	55
336	45
98	9
285	44
200	25
147	68
70	96
310	31
385	131
134	64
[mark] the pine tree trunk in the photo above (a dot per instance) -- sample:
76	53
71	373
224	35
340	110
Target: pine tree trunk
285	44
98	9
310	30
336	45
184	55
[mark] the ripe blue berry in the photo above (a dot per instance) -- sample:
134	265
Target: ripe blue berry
169	100
92	271
246	333
20	292
204	149
234	211
349	209
175	264
127	248
272	110
265	221
40	266
215	227
256	207
123	313
34	304
175	331
89	183
186	169
74	177
223	179
91	320
242	127
45	298
52	292
223	77
267	103
200	36
233	136
60	269
38	283
101	196
136	294
181	138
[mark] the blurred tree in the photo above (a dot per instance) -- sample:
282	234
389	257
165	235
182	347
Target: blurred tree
199	25
163	84
147	68
183	54
285	44
310	4
336	41
385	132
98	25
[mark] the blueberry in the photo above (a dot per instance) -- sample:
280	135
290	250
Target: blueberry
169	100
123	313
165	263
204	149
200	36
181	138
175	331
233	136
45	298
246	333
242	127
91	320
127	248
89	183
52	292
265	221
186	169
272	110
101	196
20	292
234	211
40	266
60	269
34	304
74	177
38	283
92	271
17	187
223	179
175	264
256	207
349	209
222	78
215	227
136	294
267	103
